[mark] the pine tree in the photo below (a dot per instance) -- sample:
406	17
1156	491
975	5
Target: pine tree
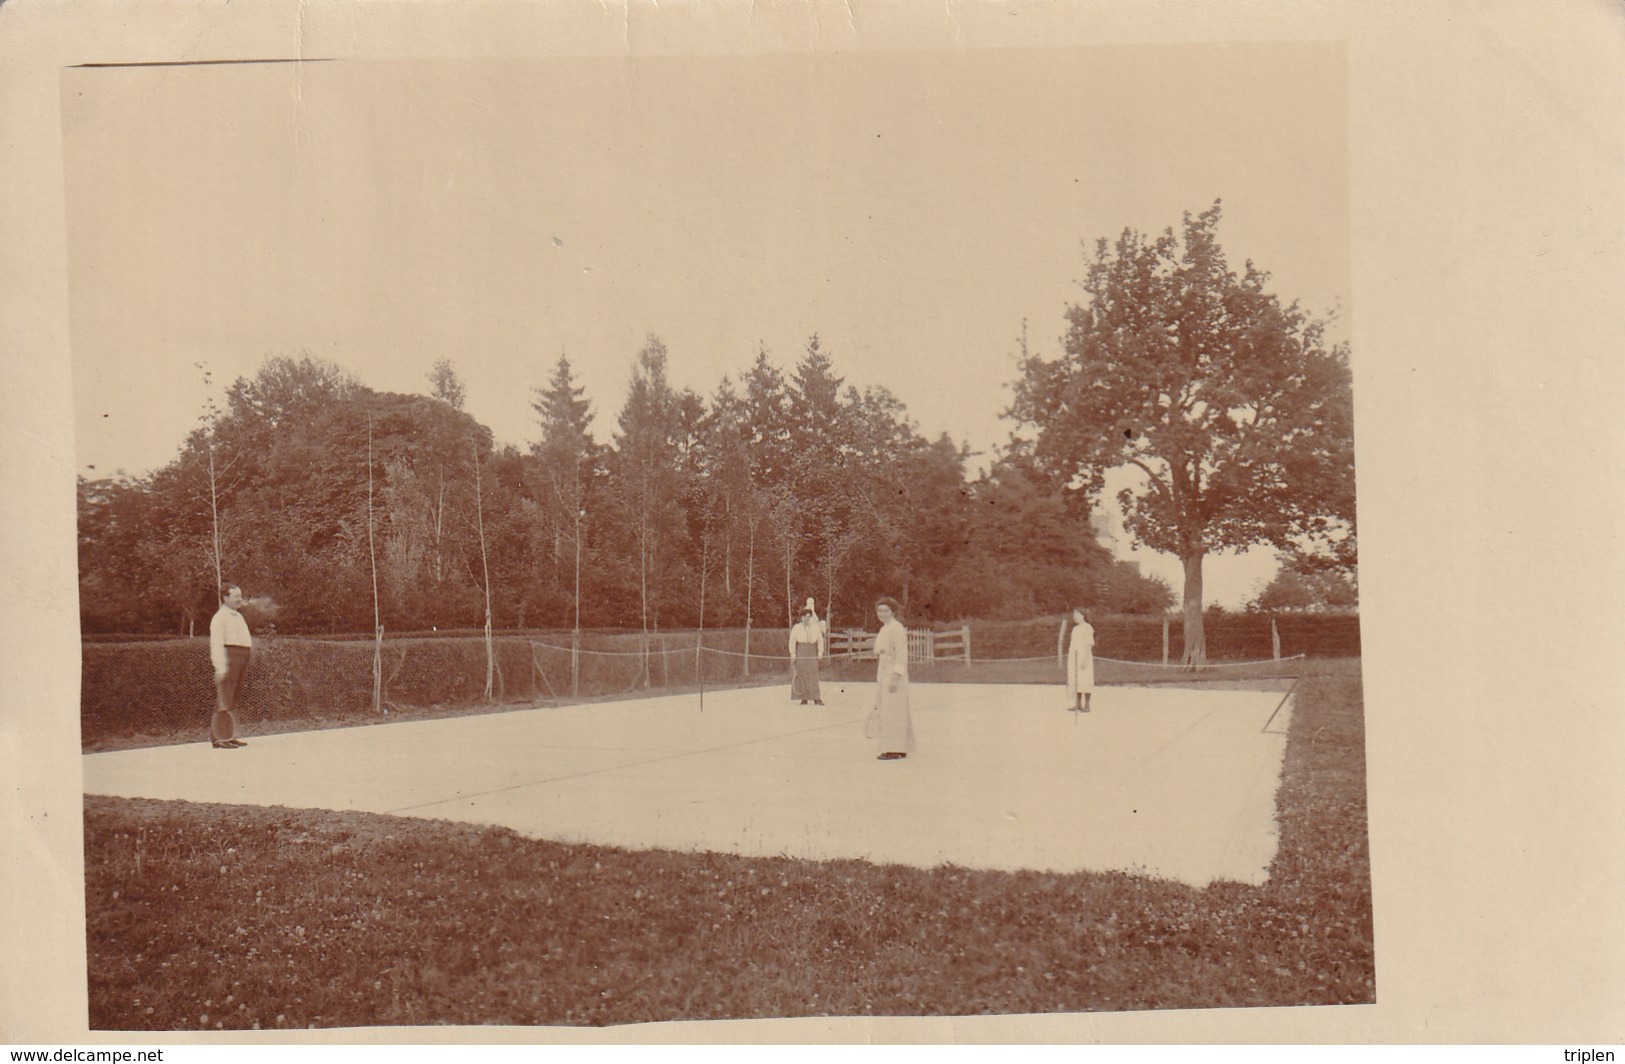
569	461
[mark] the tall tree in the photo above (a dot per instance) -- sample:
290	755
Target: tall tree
428	528
645	486
754	517
285	390
820	480
786	516
372	560
215	490
485	566
569	459
219	465
515	529
934	478
766	407
812	407
302	514
1296	587
882	442
1024	552
129	581
1231	405
736	506
836	543
446	386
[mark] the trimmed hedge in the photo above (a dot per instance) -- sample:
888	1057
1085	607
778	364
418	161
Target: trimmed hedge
1230	637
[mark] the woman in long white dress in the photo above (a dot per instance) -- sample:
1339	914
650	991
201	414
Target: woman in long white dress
1080	662
891	678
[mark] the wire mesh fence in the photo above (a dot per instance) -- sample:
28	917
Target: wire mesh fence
153	687
159	688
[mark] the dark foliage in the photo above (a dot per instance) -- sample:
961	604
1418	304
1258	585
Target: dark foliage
789	488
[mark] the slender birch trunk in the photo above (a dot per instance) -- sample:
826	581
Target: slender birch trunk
485	567
750	588
377	614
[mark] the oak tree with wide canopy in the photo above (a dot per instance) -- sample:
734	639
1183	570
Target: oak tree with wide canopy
1230	404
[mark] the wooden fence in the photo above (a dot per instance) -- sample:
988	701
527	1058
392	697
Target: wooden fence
924	645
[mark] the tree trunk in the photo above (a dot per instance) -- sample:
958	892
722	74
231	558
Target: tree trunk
829	595
439	530
577	624
750	587
705	568
377	616
214	514
1195	655
485	569
643	595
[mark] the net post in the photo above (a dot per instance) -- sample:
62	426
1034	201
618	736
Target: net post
964	638
644	646
378	669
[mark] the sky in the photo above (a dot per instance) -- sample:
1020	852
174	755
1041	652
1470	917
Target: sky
916	210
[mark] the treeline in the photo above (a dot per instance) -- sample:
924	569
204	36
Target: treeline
338	508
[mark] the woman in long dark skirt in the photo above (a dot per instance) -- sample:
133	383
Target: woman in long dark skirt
806	650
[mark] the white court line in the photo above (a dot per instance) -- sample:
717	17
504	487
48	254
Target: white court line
1255	831
625	765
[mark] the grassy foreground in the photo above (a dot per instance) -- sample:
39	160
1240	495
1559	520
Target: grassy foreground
226	917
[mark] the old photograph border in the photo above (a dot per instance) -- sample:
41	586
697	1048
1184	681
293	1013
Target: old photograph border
1392	203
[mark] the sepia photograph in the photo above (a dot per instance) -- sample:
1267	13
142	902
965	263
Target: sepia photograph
601	541
696	523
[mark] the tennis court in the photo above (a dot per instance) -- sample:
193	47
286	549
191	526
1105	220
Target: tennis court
1171	782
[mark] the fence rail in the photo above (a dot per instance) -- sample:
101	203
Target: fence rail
851	643
925	645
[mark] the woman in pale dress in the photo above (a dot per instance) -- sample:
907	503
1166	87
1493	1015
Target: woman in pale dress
806	650
891	678
1080	662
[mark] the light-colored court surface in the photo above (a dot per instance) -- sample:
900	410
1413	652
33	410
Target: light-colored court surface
1170	782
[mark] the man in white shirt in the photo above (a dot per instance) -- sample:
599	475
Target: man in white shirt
229	647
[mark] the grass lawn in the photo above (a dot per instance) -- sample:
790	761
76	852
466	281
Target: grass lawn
229	917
